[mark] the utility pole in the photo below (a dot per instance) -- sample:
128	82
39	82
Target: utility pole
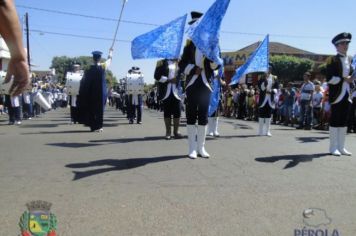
28	42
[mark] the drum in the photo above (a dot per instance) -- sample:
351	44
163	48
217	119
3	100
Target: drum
60	97
73	82
48	96
41	101
4	88
134	84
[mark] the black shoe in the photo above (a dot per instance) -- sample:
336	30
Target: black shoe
178	136
307	128
299	127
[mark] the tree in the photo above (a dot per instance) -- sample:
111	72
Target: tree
61	65
64	64
322	69
289	68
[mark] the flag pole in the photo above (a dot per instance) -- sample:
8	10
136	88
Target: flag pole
118	24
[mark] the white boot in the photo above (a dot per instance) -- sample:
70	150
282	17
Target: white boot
341	134
268	124
334	142
260	126
192	133
211	126
215	122
201	141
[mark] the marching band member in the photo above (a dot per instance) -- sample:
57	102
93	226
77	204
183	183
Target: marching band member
166	74
27	105
134	97
73	100
339	71
93	93
14	109
267	85
199	71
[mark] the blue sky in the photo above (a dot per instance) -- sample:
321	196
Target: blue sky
305	24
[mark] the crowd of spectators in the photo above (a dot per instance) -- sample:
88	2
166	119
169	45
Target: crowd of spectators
304	106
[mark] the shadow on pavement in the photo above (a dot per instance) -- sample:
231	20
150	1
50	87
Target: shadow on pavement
232	136
73	145
114	117
236	125
111	124
59	132
294	159
285	129
115	165
310	139
58	120
39	125
128	140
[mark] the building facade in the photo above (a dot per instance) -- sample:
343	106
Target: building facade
232	60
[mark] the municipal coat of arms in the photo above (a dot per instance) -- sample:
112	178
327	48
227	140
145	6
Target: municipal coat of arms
38	220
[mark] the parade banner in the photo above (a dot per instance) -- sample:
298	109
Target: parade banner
207	33
257	62
162	42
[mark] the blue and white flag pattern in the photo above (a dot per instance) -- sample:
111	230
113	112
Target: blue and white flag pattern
162	42
215	95
354	62
257	62
206	34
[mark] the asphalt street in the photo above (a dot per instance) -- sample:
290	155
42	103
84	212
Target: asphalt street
128	180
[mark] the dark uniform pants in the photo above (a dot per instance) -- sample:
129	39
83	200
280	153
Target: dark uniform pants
265	111
339	113
171	106
198	99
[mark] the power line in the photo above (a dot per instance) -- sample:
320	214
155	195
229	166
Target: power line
78	36
85	16
92	37
151	24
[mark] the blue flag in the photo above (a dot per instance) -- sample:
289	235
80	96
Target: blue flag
206	34
354	62
215	95
257	62
162	42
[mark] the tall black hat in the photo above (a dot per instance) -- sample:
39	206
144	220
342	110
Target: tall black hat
342	37
195	16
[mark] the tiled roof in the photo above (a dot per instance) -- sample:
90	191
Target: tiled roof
275	48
